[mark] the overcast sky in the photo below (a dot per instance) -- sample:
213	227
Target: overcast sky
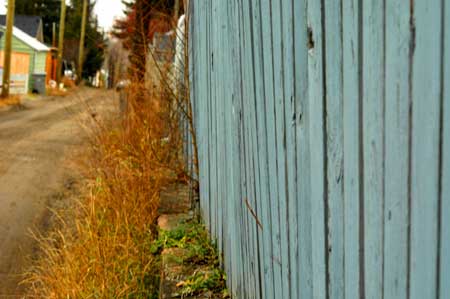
106	10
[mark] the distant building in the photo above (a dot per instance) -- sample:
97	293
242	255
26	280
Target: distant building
28	62
31	25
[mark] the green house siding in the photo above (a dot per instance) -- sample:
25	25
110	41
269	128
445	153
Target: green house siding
37	66
40	62
17	46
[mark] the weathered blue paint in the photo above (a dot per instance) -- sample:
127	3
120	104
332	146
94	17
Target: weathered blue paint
271	227
266	254
280	141
334	161
444	269
373	143
323	130
301	256
396	149
426	98
316	118
352	131
290	115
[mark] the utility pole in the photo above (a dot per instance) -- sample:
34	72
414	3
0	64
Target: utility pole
62	23
176	12
82	37
54	35
8	49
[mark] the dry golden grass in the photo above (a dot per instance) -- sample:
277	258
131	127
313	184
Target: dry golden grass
101	248
68	83
12	100
56	92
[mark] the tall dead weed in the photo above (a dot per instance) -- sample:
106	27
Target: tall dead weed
101	248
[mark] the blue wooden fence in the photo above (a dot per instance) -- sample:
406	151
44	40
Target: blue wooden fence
324	144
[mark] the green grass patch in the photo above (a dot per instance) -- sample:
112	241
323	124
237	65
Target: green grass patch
200	256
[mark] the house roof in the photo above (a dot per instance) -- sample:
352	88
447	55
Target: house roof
28	24
29	40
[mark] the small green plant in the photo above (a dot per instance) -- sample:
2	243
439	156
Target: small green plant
209	281
199	253
192	237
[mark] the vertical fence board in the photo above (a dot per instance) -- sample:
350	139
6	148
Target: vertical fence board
227	196
444	275
200	119
211	115
244	166
267	45
351	115
217	16
203	100
277	40
250	198
397	143
201	97
212	120
218	64
247	142
256	202
206	79
334	146
223	179
425	148
290	114
317	135
217	121
228	166
373	119
229	256
305	110
303	264
236	158
264	203
252	149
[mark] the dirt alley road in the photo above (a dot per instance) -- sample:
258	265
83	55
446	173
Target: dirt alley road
35	143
